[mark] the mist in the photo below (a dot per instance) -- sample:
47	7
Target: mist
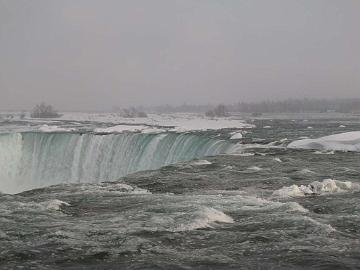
92	55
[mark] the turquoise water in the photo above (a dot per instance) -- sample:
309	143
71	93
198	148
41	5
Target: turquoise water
31	160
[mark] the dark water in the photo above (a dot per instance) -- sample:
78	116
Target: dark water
220	214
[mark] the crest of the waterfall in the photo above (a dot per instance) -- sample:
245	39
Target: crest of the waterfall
32	159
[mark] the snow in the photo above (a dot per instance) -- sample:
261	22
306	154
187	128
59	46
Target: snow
120	129
154	123
153	130
46	128
236	136
183	121
178	124
348	141
201	124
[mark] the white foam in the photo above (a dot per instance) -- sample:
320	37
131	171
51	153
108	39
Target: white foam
326	227
254	168
296	207
278	160
292	191
55	204
306	171
327	186
64	234
245	154
239	150
113	188
348	141
260	204
324	152
200	162
332	186
206	218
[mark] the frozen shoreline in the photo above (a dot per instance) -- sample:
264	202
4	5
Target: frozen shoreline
348	141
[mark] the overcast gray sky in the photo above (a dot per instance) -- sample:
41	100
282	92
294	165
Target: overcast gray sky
93	54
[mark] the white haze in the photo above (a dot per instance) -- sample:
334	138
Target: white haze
92	55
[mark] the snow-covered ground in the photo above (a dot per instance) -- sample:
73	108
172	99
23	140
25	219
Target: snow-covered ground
173	122
114	123
348	141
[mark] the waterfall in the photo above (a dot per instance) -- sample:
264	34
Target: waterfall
32	159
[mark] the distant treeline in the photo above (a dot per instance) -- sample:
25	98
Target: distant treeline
284	106
299	105
185	108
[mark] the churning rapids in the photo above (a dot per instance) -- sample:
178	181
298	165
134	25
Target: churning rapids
268	193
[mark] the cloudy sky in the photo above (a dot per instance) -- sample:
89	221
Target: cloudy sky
94	54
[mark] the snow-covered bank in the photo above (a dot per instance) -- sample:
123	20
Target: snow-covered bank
114	123
349	141
121	128
47	128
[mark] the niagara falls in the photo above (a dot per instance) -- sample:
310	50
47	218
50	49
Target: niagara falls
179	135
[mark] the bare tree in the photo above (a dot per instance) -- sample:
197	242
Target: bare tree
219	111
44	110
133	113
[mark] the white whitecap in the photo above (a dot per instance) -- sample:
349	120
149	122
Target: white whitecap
200	162
254	168
327	186
324	152
205	218
55	204
325	227
306	171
